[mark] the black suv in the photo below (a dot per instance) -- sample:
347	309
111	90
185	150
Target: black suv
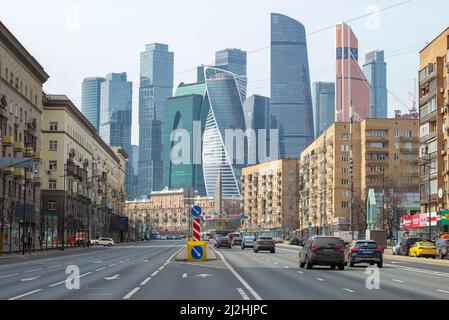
323	251
405	246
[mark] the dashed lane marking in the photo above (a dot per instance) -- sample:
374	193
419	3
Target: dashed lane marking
144	282
243	294
300	272
9	275
348	290
319	279
52	267
155	273
26	294
34	270
100	269
131	293
397	280
443	291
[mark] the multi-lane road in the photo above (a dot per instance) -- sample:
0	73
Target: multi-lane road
150	271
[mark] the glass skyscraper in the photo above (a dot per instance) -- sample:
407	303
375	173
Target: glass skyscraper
323	100
224	102
290	103
90	100
232	60
156	86
375	70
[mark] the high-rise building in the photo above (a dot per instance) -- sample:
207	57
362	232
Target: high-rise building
132	188
323	100
257	117
90	100
353	90
375	69
232	60
183	112
291	103
224	102
156	86
434	132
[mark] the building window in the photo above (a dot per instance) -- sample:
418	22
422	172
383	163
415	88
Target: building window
408	157
51	205
345	147
432	148
396	133
53	126
376	133
409	169
52	184
344	159
344	170
346	193
396	157
345	182
53	145
53	166
408	134
408	145
396	145
345	204
345	136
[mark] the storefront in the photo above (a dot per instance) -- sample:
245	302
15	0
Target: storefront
423	224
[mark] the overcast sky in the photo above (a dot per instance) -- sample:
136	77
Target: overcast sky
74	39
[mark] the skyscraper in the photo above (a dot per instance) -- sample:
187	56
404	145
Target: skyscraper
256	110
156	85
375	69
323	99
133	160
291	103
224	102
90	100
353	90
232	60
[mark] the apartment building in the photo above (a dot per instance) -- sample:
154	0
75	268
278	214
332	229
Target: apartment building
434	129
339	168
83	178
21	80
270	197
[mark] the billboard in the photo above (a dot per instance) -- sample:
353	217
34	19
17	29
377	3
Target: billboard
418	220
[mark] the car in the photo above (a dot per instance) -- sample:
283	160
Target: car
236	241
265	243
363	251
423	249
405	244
106	242
222	242
296	241
323	251
395	249
278	240
442	248
247	242
93	242
164	238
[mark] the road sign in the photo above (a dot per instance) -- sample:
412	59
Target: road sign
196	251
196	211
244	217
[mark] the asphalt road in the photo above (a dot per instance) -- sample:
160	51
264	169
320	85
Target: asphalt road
148	271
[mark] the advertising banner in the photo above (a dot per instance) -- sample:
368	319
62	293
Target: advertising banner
445	218
424	219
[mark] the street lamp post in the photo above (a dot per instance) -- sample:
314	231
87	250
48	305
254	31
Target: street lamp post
23	219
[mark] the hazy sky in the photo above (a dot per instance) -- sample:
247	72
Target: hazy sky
83	38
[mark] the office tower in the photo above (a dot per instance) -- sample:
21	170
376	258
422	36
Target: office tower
90	100
156	85
375	70
353	93
232	60
290	103
183	112
323	100
133	160
257	114
224	102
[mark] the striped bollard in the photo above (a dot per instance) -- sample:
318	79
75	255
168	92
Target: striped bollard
196	229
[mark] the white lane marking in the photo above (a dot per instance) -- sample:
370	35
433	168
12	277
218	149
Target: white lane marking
95	262
128	259
242	281
300	272
443	291
144	282
243	294
145	261
349	290
441	274
184	275
54	266
86	274
397	280
155	273
111	265
276	263
286	267
82	260
30	279
100	269
131	293
34	270
115	277
120	262
319	279
9	275
25	294
61	282
162	267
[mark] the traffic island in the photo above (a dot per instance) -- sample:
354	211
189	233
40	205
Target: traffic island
182	255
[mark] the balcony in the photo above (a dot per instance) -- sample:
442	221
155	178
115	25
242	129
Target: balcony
427	74
29	152
9	171
19	146
28	176
19	172
37	181
409	151
428	137
37	155
8	140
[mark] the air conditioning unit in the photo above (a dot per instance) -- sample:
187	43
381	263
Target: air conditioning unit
443	109
443	152
442	90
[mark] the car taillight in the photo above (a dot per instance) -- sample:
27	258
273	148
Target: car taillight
379	250
314	248
354	250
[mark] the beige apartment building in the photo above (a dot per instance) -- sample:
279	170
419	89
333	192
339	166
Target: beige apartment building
21	80
434	127
83	178
270	197
168	211
338	169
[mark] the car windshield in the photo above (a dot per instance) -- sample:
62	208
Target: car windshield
426	244
366	244
327	242
411	241
265	238
249	238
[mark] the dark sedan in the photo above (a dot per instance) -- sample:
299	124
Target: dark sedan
364	251
266	244
222	242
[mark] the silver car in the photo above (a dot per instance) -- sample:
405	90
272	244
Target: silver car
247	242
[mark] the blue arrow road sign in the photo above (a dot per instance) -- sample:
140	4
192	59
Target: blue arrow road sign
197	252
196	211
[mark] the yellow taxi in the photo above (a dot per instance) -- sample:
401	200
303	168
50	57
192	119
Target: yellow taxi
423	249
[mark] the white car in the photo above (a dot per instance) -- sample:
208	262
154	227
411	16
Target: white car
106	242
93	242
396	249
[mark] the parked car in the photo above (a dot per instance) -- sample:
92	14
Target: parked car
247	242
236	241
405	245
265	243
395	249
364	251
93	242
296	241
223	242
106	242
442	248
423	249
323	251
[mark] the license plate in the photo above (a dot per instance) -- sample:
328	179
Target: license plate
367	252
328	250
